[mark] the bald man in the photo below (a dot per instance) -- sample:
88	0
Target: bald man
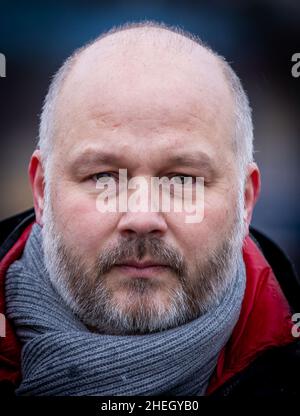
109	290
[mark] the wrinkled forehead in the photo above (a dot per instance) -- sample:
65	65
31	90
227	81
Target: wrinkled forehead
145	84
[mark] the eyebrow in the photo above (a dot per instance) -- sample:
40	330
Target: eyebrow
95	157
198	160
91	156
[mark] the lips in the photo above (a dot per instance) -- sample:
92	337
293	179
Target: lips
142	269
141	265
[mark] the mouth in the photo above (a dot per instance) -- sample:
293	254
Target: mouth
142	269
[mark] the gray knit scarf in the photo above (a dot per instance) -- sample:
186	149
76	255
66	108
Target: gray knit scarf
61	357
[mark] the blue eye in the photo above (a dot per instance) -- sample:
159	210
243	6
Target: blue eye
103	176
182	179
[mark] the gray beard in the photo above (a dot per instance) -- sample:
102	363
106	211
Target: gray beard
83	287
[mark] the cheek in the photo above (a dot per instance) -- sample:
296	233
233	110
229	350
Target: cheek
84	228
219	211
198	238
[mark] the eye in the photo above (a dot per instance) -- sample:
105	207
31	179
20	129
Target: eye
103	177
181	179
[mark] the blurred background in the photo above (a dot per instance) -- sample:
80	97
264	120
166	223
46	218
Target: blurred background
257	37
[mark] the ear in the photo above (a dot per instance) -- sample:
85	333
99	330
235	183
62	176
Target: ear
251	193
36	177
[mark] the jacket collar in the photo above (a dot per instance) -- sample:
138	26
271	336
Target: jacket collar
264	322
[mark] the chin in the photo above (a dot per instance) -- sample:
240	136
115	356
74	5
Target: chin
149	299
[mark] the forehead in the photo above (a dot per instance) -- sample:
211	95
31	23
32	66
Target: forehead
144	94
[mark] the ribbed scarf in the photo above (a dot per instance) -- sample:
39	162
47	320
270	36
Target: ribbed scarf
61	357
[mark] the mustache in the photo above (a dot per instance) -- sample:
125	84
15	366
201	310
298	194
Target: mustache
136	249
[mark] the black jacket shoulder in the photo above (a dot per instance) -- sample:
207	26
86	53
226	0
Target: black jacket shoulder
274	374
11	229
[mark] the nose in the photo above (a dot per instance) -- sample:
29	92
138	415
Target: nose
142	223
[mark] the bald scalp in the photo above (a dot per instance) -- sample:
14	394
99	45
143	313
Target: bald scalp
145	34
143	43
145	72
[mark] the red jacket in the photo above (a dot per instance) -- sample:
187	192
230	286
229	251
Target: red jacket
264	323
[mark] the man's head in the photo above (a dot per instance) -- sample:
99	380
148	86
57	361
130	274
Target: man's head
158	103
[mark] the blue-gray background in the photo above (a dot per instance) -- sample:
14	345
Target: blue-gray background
257	37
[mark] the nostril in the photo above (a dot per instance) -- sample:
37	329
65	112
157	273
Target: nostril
129	233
